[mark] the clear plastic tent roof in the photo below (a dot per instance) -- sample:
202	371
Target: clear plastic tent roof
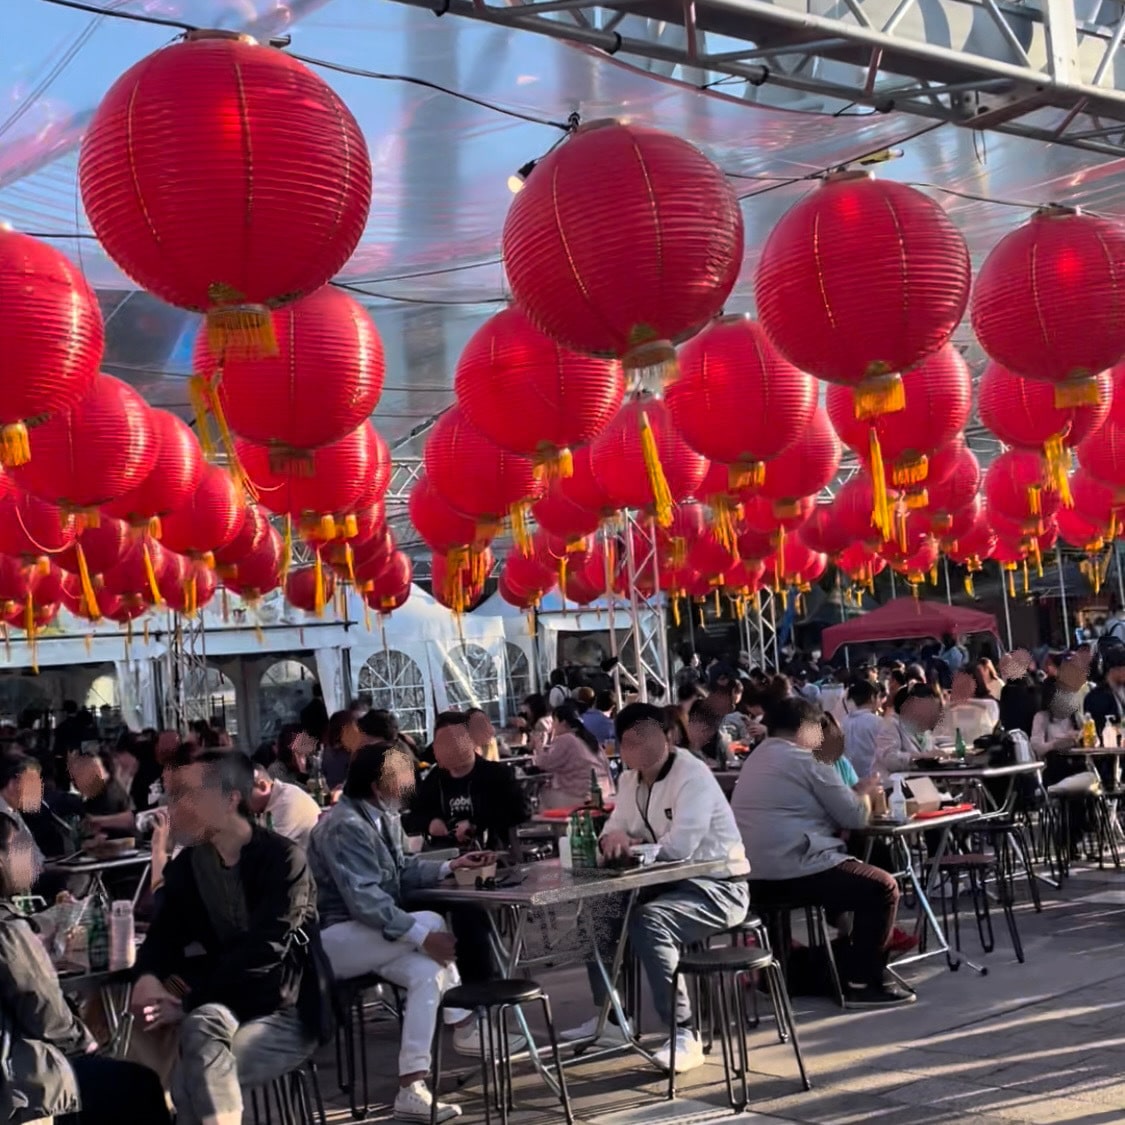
428	266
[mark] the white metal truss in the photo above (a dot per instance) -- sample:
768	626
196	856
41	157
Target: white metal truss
647	616
186	682
1044	69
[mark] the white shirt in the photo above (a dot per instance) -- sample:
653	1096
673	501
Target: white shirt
861	733
685	812
293	812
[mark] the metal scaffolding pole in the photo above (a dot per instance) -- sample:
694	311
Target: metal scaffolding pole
948	592
1120	579
1062	595
1007	608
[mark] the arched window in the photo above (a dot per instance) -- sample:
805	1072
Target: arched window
209	694
471	680
286	687
517	678
391	681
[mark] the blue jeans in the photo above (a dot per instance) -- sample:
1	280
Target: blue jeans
678	915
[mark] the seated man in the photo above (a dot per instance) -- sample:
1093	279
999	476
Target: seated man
791	809
226	955
363	876
669	797
283	808
466	800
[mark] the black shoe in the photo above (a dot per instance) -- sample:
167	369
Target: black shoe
878	996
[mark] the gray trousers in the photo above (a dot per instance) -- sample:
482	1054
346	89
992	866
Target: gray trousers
219	1058
676	916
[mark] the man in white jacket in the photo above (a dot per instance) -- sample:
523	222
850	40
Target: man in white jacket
670	798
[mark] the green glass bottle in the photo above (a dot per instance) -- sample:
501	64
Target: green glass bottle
959	746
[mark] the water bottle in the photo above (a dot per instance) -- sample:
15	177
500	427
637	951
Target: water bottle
896	807
122	937
97	937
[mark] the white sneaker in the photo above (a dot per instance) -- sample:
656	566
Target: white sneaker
689	1052
611	1034
466	1041
413	1102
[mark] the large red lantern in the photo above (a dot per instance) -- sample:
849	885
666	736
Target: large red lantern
139	571
861	564
478	478
92	452
391	588
823	533
439	525
806	467
763	515
861	280
325	380
510	370
624	241
1078	531
253	530
955	492
260	570
1102	455
102	545
33	530
852	508
583	488
1099	503
173	479
1049	301
1017	488
211	518
737	399
51	337
217	202
643	463
711	557
310	588
527	579
558	515
975	544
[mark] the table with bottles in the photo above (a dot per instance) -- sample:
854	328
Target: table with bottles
87	865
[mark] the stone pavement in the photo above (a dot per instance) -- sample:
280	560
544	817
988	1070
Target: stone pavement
1036	1043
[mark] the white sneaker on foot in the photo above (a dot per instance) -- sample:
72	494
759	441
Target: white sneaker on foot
466	1041
412	1103
611	1034
689	1052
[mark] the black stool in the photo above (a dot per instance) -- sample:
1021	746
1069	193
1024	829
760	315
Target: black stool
721	970
350	1018
778	917
296	1096
977	867
490	1002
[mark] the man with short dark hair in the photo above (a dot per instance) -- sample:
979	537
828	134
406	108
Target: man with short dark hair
226	957
669	798
862	725
283	808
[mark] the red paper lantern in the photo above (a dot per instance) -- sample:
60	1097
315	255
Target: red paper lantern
92	452
643	463
31	529
140	571
822	532
1049	301
193	589
807	466
51	337
955	492
712	558
126	610
737	399
210	520
860	280
334	484
324	381
852	508
1017	488
580	590
557	514
745	577
510	370
102	545
392	587
310	588
1102	455
527	579
1099	503
33	616
689	523
218	202
440	526
861	564
583	488
766	517
624	241
458	578
253	530
259	571
1078	531
975	544
173	479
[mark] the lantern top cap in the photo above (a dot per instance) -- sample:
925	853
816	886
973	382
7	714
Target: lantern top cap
842	175
1056	211
599	123
201	33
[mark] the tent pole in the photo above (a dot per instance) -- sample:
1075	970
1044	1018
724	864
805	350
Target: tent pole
1062	596
1007	609
894	594
609	577
635	612
1120	579
948	592
843	616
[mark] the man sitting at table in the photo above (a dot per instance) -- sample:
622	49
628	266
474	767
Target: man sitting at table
669	797
226	958
791	808
283	808
363	877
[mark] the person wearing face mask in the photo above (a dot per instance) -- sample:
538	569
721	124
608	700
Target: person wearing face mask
792	809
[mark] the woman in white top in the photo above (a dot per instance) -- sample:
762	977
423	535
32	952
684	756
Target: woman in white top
538	718
1057	724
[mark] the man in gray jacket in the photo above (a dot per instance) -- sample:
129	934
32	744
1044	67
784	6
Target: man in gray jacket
792	810
358	858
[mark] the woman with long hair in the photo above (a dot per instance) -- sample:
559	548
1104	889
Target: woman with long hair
538	718
570	757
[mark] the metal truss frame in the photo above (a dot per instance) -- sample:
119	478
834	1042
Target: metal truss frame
1031	69
647	615
185	671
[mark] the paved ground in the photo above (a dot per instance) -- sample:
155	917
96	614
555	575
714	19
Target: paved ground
1038	1042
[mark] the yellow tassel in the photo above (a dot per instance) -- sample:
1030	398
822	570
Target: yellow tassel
88	641
917	498
234	465
1026	579
89	599
661	494
910	472
878	395
718	604
676	610
779	570
318	585
349	563
15	449
933	575
881	510
326	528
969	586
29	628
531	624
42	566
259	635
1077	392
553	463
1057	457
1037	555
723	523
521	535
900	527
1035	499
199	396
746	474
562	580
235	328
192	598
150	575
757	602
287	549
1011	580
702	614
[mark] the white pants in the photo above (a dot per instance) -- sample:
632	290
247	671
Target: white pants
355	949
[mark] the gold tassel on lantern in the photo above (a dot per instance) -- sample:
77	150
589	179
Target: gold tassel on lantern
879	394
520	532
969	585
29	627
722	524
1026	579
553	462
235	327
1011	569
718	603
661	494
908	472
1057	457
89	600
150	576
1035	499
675	599
319	597
14	447
746	474
199	396
1077	392
881	509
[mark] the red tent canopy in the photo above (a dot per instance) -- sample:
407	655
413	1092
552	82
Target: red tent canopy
906	619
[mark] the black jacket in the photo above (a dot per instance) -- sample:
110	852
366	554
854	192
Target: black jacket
1101	704
258	973
491	788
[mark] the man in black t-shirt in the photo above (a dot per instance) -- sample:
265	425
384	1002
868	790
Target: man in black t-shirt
106	805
